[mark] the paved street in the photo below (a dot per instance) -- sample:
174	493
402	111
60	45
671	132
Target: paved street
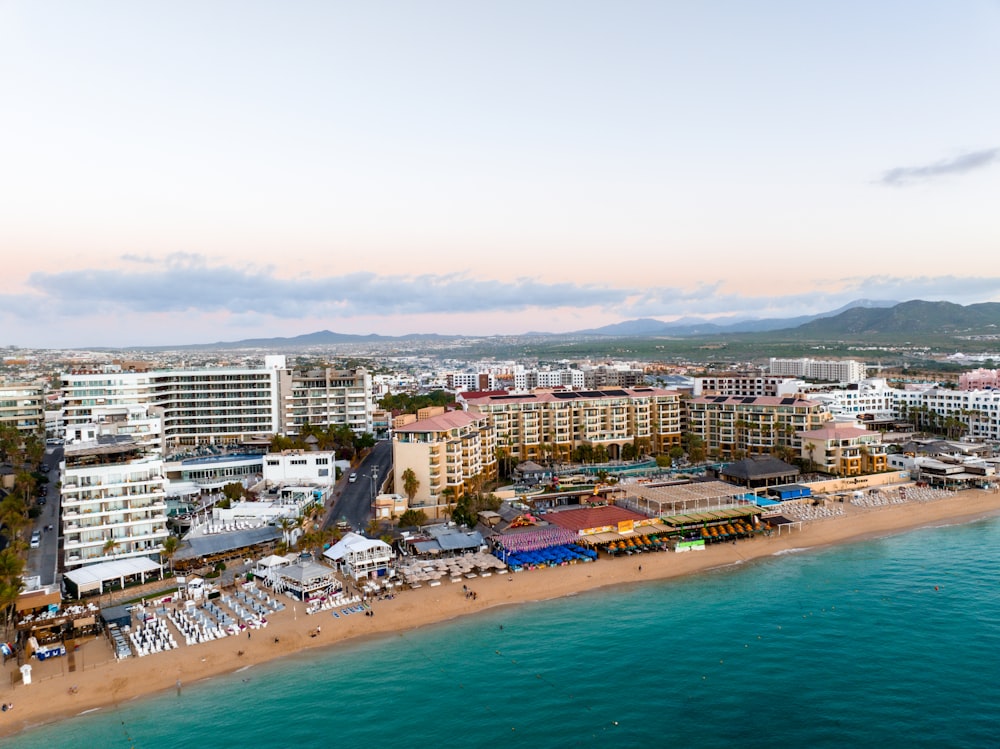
353	501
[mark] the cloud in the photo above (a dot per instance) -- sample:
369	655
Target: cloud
185	296
186	283
967	162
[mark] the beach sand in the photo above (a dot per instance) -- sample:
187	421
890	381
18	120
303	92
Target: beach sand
100	681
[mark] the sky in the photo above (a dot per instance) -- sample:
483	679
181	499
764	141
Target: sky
190	172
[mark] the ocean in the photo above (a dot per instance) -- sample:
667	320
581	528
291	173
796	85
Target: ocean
892	642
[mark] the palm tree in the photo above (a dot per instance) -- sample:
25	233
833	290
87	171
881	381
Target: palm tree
286	525
109	547
169	548
410	484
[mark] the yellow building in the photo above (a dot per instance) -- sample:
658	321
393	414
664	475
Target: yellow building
548	424
844	449
733	426
449	451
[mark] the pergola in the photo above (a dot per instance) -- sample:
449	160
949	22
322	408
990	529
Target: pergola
674	499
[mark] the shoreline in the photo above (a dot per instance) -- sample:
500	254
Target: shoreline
101	682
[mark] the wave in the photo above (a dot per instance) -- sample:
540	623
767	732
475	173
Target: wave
794	550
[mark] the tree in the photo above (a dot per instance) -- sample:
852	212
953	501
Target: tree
412	518
811	450
110	546
170	544
410	484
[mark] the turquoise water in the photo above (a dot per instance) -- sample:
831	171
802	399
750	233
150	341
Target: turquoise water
892	643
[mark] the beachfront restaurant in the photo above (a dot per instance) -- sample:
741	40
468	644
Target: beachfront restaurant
713	526
362	558
207	549
116	575
612	528
43	620
305	580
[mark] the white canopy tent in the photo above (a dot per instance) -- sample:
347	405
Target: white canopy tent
93	577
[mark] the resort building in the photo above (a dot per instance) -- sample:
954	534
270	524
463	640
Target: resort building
113	498
972	414
847	370
979	379
225	405
22	406
448	452
871	398
551	424
746	384
326	397
843	449
734	427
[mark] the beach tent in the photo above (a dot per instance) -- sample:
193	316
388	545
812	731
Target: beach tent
92	577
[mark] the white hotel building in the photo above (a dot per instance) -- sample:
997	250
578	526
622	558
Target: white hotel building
113	502
226	405
847	370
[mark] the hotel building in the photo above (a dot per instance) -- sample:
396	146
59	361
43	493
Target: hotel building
22	406
544	424
843	449
447	450
113	502
226	405
737	426
847	370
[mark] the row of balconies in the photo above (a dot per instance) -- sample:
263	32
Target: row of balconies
98	525
126	500
124	541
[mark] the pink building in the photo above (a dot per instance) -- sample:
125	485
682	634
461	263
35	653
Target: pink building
979	379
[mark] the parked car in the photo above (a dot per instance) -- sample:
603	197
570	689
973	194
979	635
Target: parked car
353	478
36	539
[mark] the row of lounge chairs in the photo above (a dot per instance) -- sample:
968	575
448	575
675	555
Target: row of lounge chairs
331	602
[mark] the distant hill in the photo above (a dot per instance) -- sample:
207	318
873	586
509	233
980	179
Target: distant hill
907	319
695	326
859	319
319	338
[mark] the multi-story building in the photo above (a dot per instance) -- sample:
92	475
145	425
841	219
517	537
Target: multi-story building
530	379
113	501
736	426
873	398
226	405
551	424
451	450
979	379
22	406
974	414
327	397
746	384
457	381
847	370
843	449
613	376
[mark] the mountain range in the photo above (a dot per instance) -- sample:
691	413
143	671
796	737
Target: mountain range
859	319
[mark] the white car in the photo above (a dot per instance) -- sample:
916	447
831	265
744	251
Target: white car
353	478
36	539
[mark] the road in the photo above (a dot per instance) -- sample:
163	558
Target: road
43	560
354	501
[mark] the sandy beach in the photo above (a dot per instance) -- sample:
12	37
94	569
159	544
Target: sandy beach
99	681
